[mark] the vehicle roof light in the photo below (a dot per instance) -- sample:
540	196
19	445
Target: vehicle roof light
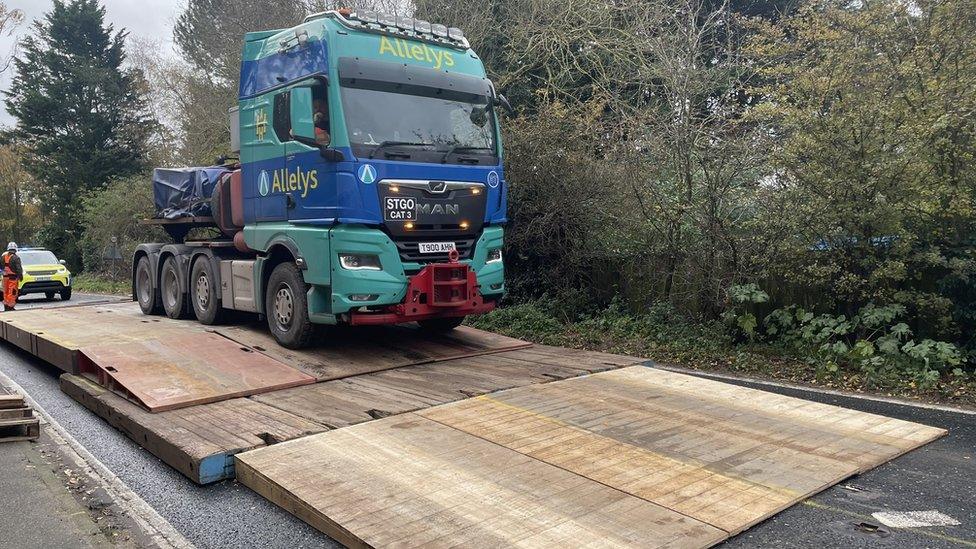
386	19
405	23
422	26
455	33
367	16
439	30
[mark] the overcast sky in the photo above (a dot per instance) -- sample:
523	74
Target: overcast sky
144	18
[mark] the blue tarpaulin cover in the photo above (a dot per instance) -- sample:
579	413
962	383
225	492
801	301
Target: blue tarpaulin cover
184	192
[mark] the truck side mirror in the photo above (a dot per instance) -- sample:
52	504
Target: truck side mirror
508	106
302	125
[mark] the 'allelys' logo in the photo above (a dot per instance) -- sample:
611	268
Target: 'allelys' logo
264	183
367	173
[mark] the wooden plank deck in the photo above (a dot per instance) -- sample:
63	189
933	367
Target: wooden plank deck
200	440
17	421
706	460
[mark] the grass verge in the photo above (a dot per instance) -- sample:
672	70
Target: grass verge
664	337
95	284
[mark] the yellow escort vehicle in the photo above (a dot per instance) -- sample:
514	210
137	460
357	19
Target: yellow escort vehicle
44	274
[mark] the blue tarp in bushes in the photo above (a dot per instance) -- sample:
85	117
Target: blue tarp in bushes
184	192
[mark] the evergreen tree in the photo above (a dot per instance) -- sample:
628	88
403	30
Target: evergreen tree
81	116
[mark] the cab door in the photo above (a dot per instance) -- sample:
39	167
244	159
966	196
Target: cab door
311	178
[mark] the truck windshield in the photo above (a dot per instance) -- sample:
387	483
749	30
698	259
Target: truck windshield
420	128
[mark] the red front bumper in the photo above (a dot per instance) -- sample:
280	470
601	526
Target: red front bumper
439	290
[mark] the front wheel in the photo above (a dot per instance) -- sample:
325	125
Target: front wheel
440	325
286	307
65	294
49	295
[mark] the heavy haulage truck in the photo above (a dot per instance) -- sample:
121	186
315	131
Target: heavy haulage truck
369	188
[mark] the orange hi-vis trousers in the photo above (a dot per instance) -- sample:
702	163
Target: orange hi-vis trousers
10	291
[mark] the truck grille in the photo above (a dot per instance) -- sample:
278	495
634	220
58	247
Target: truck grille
409	249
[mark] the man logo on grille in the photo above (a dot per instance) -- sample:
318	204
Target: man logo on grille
437	186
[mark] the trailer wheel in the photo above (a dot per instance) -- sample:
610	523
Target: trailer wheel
146	294
203	293
174	300
440	325
286	307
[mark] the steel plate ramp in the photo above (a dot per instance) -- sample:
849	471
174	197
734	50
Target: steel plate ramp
185	369
635	457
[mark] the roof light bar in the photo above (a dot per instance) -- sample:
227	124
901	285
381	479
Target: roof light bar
385	23
404	23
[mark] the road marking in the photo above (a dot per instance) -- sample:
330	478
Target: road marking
914	519
160	532
832	392
936	535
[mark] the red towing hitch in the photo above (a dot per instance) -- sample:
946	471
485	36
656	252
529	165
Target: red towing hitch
439	290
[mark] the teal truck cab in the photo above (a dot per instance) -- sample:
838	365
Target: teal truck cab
369	188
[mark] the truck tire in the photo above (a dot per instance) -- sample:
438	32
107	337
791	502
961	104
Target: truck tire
175	303
49	295
145	290
65	294
204	293
286	307
440	325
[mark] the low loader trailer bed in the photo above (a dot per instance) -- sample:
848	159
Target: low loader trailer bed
392	436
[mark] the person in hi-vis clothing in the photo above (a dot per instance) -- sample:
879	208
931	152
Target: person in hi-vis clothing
13	272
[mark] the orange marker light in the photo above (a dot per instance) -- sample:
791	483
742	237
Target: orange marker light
408	225
394	189
475	191
464	225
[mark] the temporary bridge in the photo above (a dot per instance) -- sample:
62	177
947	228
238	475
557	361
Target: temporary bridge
387	436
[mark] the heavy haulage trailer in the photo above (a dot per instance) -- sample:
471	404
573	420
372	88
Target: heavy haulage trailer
369	188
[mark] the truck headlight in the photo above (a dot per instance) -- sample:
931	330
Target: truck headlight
360	262
494	256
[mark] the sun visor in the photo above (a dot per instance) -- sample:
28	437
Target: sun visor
358	72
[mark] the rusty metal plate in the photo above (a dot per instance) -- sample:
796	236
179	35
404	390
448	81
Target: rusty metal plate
185	369
351	351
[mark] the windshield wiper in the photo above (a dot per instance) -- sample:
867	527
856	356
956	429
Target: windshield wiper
398	143
457	148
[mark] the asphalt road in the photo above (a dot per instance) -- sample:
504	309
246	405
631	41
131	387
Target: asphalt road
940	476
38	301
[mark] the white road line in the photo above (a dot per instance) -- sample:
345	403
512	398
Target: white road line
160	532
832	392
914	519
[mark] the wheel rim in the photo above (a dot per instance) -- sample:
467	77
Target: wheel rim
203	291
170	286
142	285
284	307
